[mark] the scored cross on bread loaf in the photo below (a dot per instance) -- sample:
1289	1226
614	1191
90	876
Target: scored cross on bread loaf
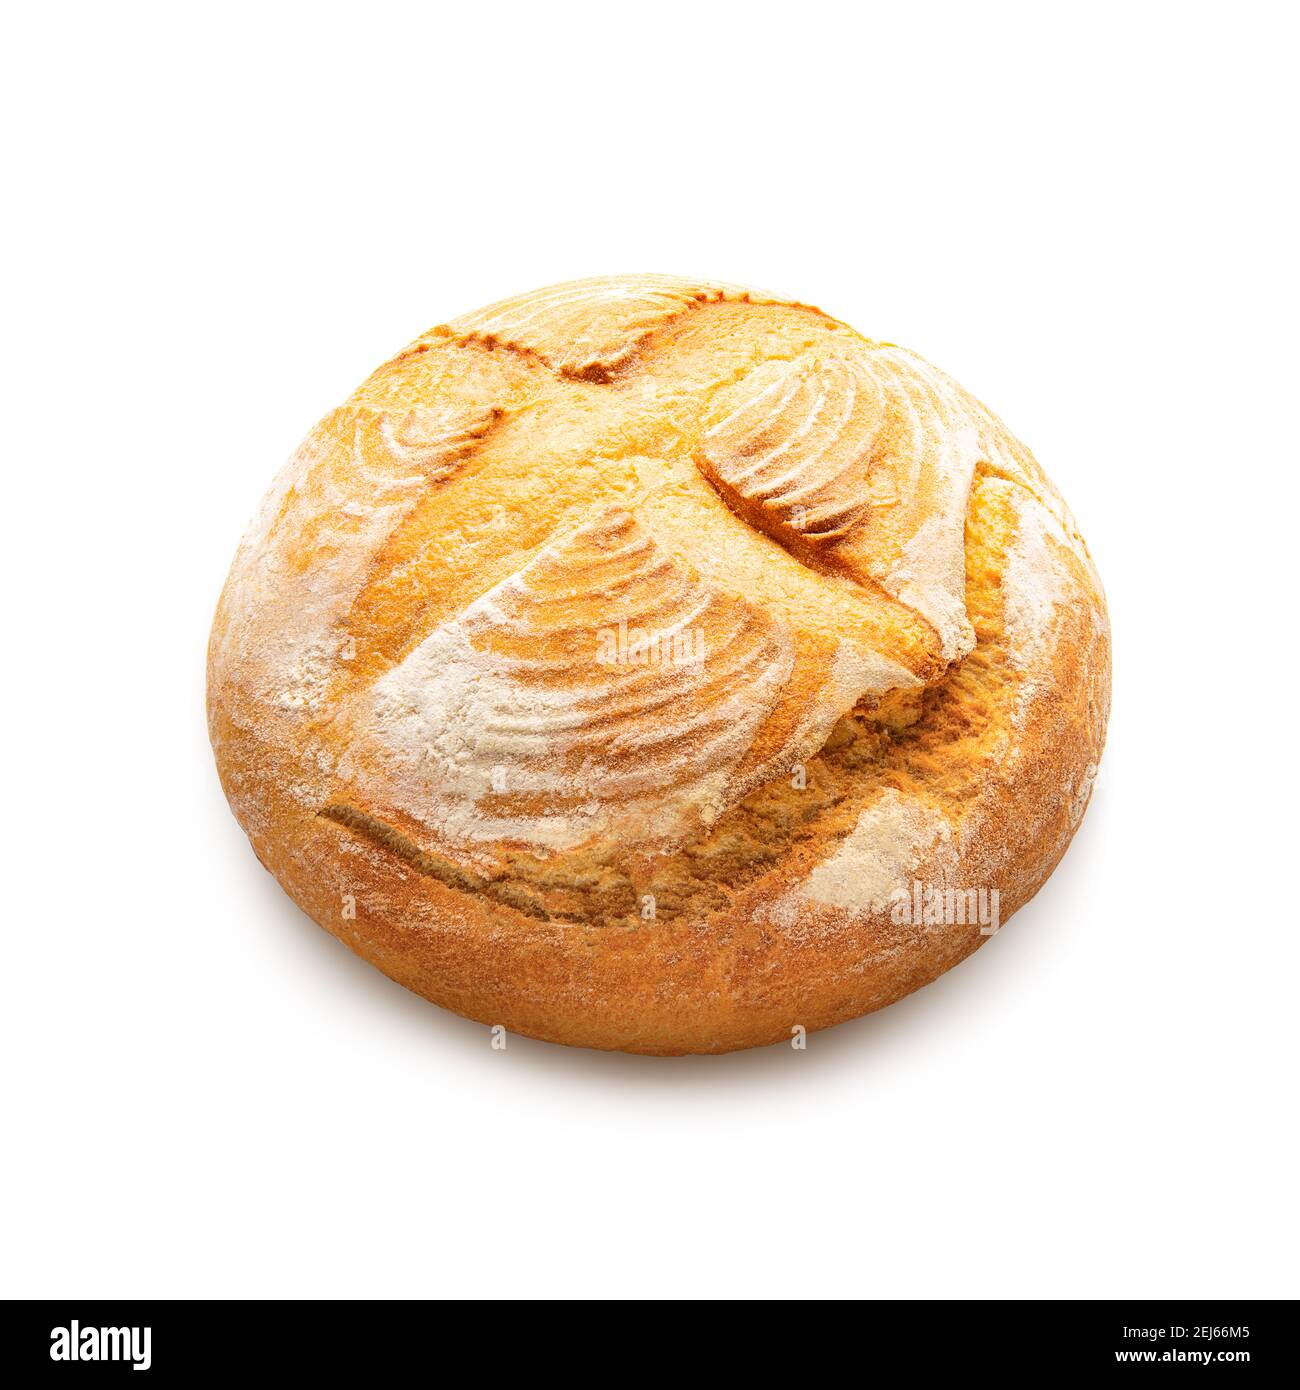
617	659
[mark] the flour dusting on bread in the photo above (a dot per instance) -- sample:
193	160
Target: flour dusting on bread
590	328
603	689
1036	579
863	457
890	840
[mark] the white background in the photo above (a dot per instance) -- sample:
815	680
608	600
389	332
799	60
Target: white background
219	221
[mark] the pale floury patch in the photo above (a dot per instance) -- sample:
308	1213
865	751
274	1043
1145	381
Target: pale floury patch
500	724
887	844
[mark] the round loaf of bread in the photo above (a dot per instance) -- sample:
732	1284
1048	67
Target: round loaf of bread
660	665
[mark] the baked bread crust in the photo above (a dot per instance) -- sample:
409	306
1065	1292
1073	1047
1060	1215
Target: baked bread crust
615	664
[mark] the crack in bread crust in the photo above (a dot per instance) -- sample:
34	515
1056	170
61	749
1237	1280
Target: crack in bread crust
897	743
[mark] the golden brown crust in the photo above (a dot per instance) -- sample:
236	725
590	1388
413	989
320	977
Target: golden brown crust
426	718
